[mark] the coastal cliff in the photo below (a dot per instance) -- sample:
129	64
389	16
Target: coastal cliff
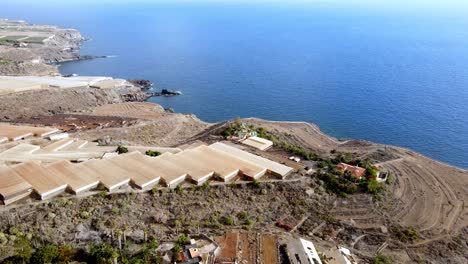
28	49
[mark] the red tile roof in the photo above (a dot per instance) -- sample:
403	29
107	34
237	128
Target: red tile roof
356	171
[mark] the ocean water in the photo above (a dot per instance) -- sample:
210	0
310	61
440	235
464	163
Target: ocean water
395	76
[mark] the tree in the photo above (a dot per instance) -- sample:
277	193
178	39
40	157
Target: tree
45	254
122	149
183	240
177	248
374	187
103	253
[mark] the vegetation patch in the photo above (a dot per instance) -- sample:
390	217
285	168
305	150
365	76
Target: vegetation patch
152	153
122	149
344	184
405	235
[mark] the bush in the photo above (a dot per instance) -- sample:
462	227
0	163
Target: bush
183	240
152	153
229	221
66	254
122	149
407	235
45	254
85	214
102	253
374	187
206	186
177	248
243	215
255	183
382	259
23	250
179	189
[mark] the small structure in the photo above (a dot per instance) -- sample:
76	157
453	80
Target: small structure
382	176
296	159
190	254
58	136
311	252
12	186
354	171
258	143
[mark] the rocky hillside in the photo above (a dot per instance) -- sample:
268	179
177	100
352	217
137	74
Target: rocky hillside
22	54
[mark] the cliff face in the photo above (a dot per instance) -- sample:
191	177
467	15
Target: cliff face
62	46
20	57
57	101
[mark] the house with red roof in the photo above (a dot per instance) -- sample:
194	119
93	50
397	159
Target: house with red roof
354	171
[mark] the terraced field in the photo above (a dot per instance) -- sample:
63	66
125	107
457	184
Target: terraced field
429	198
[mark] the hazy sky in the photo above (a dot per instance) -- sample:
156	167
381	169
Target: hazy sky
400	3
412	6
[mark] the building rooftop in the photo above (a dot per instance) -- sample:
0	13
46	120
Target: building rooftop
13	132
273	167
44	182
168	171
8	86
222	167
110	175
196	172
142	175
12	184
258	143
355	171
77	179
247	168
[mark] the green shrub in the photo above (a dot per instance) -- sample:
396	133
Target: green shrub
23	250
407	235
183	240
229	221
122	149
152	153
179	189
374	187
45	254
102	253
255	183
382	259
85	214
243	215
206	186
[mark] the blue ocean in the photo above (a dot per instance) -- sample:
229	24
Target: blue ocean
387	74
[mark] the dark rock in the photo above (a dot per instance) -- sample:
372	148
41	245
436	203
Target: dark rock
143	84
